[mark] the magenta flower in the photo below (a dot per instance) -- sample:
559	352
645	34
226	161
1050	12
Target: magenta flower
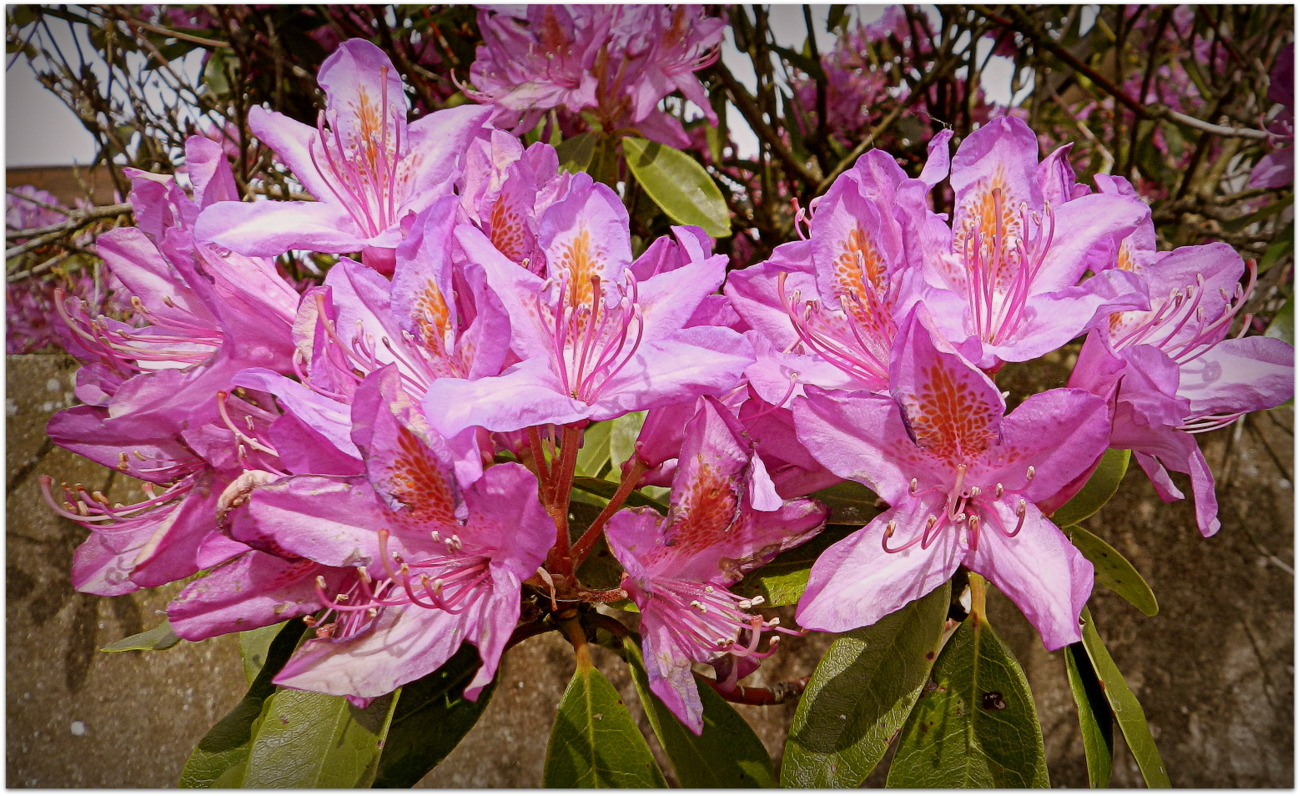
962	483
365	165
1007	277
506	187
679	569
432	565
1172	373
173	532
595	341
613	62
830	306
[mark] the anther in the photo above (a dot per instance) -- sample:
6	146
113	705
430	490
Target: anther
1029	473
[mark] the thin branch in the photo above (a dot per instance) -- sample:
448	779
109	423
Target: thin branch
747	107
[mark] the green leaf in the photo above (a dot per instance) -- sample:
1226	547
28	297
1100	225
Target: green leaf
860	695
606	489
1100	488
975	725
214	74
158	638
431	717
1283	324
782	580
594	742
1282	245
576	153
726	754
622	439
836	16
1095	722
679	185
1114	571
255	646
308	740
850	503
220	758
1125	707
594	454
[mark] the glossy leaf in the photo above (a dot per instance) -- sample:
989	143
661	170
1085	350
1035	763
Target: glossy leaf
431	717
594	454
850	503
1100	488
975	725
157	638
606	489
726	754
1095	722
1283	324
576	153
220	758
782	580
1114	571
679	185
1125	707
594	741
308	740
860	695
255	646
622	438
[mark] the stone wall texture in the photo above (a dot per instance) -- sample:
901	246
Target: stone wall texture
1214	670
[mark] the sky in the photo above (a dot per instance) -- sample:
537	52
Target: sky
41	131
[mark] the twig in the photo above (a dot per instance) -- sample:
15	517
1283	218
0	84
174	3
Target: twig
42	236
40	269
745	103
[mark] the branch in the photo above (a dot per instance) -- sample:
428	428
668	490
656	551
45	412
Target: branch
42	236
1142	110
747	107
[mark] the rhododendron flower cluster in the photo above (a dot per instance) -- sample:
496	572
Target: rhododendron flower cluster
614	62
390	454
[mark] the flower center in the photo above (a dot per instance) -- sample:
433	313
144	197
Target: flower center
365	171
1001	260
448	581
705	617
856	339
593	337
967	509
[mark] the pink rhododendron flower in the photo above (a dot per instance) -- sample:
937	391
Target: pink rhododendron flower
679	568
434	565
614	62
830	305
595	341
1008	279
365	165
1171	372
962	483
1277	168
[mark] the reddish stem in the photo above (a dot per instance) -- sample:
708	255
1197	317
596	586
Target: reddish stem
558	499
630	478
751	695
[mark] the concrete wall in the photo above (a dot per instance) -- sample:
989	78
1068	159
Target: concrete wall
1215	669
